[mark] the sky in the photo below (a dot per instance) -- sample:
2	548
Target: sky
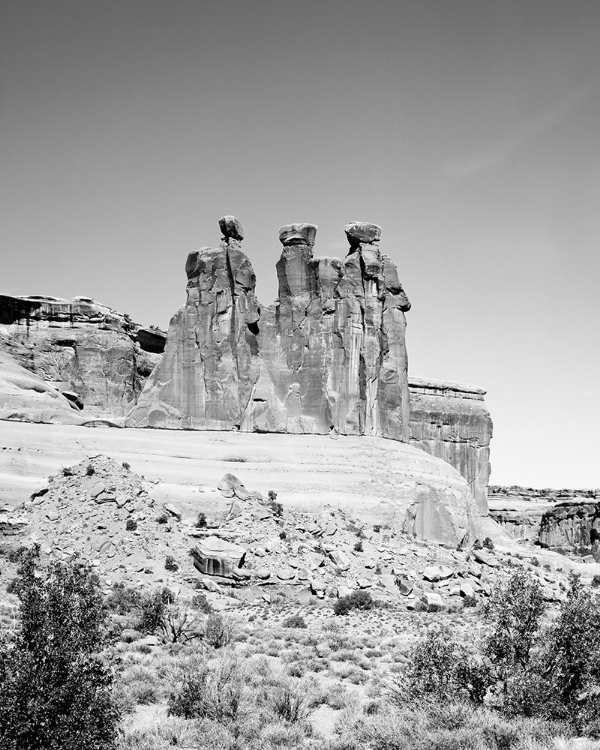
469	130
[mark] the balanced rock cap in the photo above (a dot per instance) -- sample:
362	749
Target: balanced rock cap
298	234
231	228
361	231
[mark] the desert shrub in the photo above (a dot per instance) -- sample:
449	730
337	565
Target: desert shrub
567	671
201	603
152	608
535	562
130	525
514	611
171	564
358	547
201	521
275	507
55	689
163	518
219	630
377	528
213	692
488	543
440	668
15	555
289	703
294	621
361	600
126	465
122	600
343	606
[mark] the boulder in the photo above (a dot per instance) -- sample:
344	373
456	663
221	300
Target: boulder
359	232
485	558
217	557
432	601
435	573
231	228
340	559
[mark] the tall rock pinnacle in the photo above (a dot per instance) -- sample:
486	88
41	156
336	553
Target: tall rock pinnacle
330	356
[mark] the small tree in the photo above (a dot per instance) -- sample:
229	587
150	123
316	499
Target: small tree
55	689
570	661
514	612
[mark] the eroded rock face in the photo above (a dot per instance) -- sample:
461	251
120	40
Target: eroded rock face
329	357
24	397
564	518
451	421
82	347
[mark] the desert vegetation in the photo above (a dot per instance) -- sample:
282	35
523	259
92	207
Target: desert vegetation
150	670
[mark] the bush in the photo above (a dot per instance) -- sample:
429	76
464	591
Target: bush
358	547
201	603
488	543
171	564
214	692
218	631
356	600
294	621
201	521
130	525
289	704
163	518
55	689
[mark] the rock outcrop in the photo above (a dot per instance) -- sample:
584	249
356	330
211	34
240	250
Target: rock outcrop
451	421
329	357
80	347
25	397
555	518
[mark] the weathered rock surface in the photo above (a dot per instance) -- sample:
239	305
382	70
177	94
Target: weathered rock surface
563	518
218	557
329	357
376	481
451	421
25	397
82	347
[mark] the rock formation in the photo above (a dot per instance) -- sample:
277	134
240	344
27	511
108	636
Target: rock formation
555	518
329	357
451	421
25	397
81	347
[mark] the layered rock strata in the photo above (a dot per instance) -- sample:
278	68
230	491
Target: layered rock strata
329	357
80	347
556	518
451	421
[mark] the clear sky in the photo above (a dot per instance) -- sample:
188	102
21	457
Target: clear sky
468	129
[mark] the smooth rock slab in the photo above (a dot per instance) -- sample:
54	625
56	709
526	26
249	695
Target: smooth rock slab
216	557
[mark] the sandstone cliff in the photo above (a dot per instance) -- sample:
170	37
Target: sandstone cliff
451	421
329	357
25	397
556	518
98	356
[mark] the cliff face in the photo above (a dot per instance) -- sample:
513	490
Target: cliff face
330	357
451	421
551	517
98	356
